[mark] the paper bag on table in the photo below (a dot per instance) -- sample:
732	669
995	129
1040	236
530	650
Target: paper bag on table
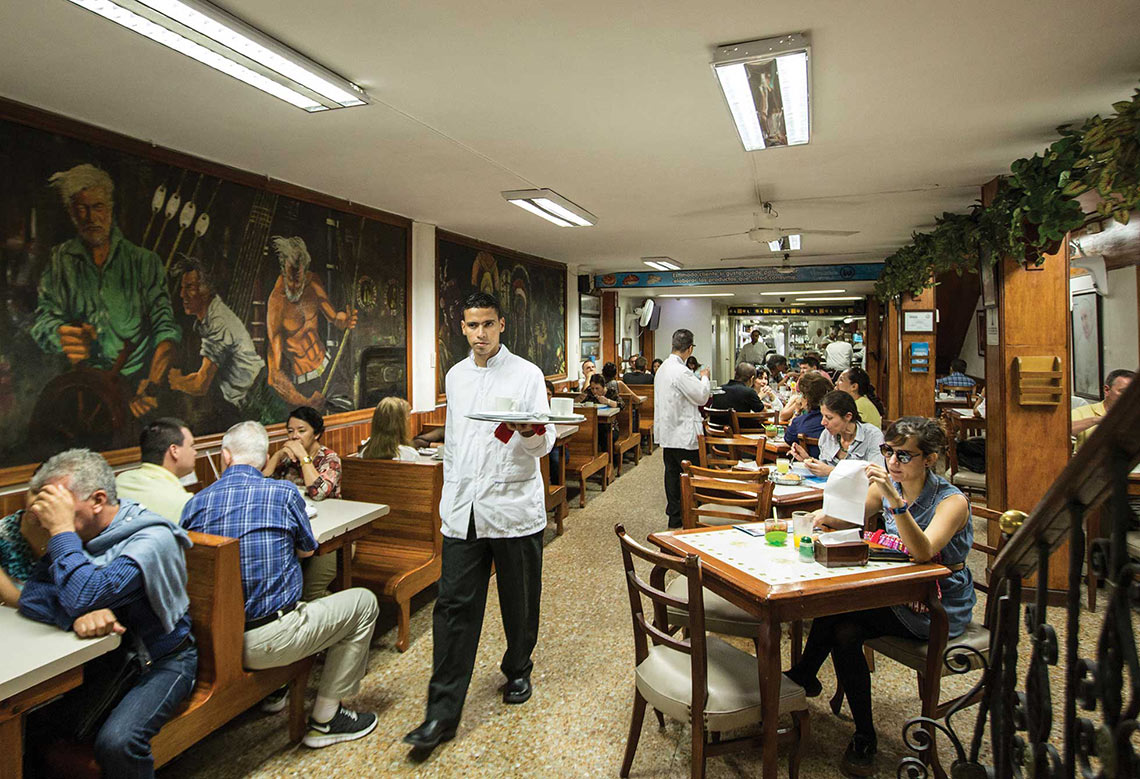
845	492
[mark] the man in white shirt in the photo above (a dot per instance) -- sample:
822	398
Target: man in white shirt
166	448
753	352
493	510
837	356
678	396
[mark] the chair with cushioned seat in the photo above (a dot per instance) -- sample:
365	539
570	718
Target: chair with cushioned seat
701	679
958	430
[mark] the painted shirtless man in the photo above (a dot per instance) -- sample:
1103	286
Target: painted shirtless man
297	358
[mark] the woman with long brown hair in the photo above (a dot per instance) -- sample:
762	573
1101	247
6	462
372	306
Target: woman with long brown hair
390	439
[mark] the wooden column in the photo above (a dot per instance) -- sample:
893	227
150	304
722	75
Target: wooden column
909	393
871	339
646	346
1027	447
609	328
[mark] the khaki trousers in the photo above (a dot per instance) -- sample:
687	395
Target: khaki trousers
318	573
341	623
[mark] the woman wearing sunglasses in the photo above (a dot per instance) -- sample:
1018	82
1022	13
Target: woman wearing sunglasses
930	518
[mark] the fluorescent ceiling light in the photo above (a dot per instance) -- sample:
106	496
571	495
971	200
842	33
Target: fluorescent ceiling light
655	265
766	84
803	292
662	263
551	206
825	300
213	37
786	243
701	295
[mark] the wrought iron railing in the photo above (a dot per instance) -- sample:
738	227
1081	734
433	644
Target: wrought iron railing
1099	702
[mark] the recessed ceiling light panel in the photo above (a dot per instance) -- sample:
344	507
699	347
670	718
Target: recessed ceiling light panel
215	38
551	206
767	85
662	263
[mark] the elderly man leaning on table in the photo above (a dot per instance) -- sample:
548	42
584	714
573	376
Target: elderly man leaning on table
112	566
269	519
929	518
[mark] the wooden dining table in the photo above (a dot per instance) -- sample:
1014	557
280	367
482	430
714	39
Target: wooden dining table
338	524
773	447
761	579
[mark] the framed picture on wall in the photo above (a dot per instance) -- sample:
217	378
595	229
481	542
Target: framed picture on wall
590	326
590	305
987	272
590	348
1086	346
626	348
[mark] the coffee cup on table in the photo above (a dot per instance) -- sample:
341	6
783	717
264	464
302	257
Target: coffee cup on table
562	407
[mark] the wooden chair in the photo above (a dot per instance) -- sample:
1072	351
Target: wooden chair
701	680
627	437
806	441
556	493
709	502
713	430
960	429
913	653
402	555
585	457
224	688
721	417
751	421
717	452
645	416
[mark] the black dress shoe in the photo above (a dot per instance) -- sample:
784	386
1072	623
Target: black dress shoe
517	690
859	759
431	734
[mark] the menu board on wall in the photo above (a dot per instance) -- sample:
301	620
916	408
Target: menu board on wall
140	283
532	292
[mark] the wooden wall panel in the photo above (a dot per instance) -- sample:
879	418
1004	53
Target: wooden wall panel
917	389
610	351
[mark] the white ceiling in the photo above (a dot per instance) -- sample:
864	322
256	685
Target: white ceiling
614	106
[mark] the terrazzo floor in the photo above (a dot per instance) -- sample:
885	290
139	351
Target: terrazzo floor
575	724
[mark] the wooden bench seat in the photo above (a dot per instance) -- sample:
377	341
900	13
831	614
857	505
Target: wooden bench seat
401	556
645	415
224	688
627	437
586	456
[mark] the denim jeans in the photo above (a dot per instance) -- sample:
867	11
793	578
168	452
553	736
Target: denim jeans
122	745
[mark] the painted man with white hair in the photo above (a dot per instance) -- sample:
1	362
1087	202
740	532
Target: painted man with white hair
112	565
297	355
268	517
101	297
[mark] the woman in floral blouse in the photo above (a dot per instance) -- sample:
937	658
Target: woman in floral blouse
303	460
315	469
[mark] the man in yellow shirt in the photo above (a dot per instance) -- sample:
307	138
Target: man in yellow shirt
167	453
1085	418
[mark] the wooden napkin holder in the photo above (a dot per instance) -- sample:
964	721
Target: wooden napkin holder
840	555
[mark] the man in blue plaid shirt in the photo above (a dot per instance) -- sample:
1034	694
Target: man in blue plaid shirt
268	517
957	378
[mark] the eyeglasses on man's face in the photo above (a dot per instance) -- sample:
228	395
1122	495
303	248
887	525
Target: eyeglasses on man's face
902	455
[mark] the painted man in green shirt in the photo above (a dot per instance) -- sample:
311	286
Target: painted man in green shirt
100	293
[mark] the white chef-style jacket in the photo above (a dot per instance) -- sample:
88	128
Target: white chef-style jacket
677	398
501	482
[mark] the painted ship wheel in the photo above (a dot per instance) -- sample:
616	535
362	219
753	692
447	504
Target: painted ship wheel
84	407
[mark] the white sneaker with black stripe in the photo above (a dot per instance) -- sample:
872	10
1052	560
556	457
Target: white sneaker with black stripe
346	725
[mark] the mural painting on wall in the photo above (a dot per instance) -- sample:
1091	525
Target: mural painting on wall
132	289
532	294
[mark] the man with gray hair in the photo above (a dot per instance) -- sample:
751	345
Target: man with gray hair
101	297
677	399
112	565
268	517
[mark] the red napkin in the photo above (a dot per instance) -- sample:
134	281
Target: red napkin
504	433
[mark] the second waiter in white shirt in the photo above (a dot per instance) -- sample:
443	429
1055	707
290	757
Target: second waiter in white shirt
493	510
678	397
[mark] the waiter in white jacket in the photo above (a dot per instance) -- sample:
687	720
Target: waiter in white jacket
493	510
677	399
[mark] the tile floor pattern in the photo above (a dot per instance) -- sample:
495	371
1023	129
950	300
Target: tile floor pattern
576	723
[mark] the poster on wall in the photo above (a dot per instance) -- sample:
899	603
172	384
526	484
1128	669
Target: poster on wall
135	288
1086	346
531	291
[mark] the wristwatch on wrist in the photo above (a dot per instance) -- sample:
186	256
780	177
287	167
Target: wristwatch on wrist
904	508
306	460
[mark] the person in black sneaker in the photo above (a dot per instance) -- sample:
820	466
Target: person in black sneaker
268	517
493	510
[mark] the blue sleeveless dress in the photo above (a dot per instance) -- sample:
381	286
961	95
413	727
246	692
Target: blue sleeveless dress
958	596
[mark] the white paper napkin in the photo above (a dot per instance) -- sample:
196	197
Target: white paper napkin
845	492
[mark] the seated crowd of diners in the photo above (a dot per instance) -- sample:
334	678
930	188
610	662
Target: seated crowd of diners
97	553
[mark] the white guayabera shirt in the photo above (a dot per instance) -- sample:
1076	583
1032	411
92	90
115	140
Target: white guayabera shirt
501	482
677	398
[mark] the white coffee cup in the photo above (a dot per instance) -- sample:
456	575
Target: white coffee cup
505	404
562	407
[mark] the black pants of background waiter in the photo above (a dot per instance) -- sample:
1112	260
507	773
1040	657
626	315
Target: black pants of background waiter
457	620
673	458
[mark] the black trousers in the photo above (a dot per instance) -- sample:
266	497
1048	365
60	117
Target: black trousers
673	458
842	636
457	619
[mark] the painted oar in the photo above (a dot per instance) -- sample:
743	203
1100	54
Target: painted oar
185	219
171	209
351	300
203	223
156	204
